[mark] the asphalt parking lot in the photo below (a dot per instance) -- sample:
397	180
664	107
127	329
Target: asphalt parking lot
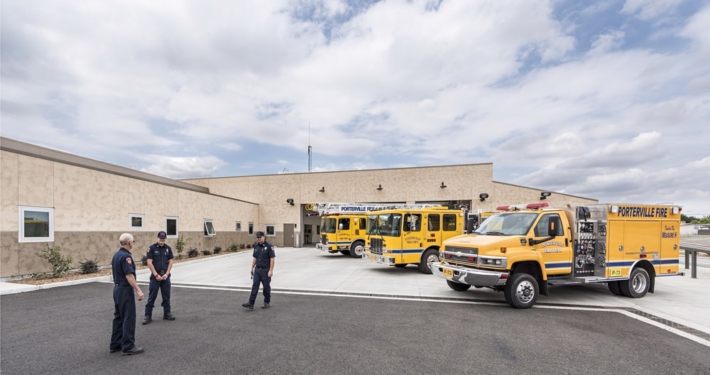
67	330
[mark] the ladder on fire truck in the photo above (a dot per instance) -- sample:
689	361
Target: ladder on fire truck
354	208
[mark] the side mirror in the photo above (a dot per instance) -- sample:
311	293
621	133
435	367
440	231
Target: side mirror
554	227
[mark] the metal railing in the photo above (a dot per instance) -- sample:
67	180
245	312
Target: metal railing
691	249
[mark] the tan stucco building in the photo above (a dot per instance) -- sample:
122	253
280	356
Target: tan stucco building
88	203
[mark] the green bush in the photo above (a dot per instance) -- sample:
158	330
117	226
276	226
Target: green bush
180	245
60	264
192	253
242	246
89	266
217	250
233	248
206	252
144	260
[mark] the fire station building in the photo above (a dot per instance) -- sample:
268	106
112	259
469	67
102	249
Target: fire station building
48	197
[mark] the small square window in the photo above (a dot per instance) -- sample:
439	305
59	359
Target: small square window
171	226
209	228
251	228
135	221
270	230
239	226
37	224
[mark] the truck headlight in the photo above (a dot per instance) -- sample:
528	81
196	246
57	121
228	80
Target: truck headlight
492	261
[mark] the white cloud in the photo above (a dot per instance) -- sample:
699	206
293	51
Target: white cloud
182	167
397	83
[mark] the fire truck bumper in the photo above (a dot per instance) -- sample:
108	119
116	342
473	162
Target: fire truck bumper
328	248
376	258
469	276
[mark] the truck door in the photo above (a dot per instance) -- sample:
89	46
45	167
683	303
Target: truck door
343	236
615	249
642	241
412	241
432	234
670	246
557	252
451	227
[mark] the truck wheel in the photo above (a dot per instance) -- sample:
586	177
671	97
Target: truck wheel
458	286
637	285
614	288
521	291
430	256
345	252
357	249
400	265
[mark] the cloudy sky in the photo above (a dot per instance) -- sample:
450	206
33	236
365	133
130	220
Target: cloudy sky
603	99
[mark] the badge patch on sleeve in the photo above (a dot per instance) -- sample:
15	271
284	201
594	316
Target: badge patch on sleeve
129	261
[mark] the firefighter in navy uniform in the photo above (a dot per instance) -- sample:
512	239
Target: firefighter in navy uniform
160	261
262	268
124	316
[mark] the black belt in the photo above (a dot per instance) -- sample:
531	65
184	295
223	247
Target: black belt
262	268
123	284
161	272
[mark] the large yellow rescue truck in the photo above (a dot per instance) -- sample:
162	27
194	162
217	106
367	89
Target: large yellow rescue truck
527	248
411	235
342	227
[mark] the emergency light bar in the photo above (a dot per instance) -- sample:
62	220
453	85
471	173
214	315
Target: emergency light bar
517	207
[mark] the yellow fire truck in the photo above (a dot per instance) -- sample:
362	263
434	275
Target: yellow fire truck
411	235
527	248
343	225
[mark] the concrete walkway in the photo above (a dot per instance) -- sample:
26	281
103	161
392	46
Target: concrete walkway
681	300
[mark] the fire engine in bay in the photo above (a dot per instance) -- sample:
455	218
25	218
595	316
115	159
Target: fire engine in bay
526	248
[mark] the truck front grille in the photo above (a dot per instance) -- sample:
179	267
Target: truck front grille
376	246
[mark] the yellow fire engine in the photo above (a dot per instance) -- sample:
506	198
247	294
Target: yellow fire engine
410	235
527	248
343	225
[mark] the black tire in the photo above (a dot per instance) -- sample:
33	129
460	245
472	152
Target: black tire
400	265
614	288
345	252
458	286
431	254
521	291
357	249
637	285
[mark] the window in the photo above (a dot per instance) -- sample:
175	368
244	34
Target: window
449	222
412	222
434	222
344	224
171	226
239	226
37	224
135	221
251	228
318	230
363	223
209	228
542	225
270	230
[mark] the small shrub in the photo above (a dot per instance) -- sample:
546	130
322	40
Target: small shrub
180	245
233	248
60	264
242	246
192	252
217	250
248	246
206	252
89	266
144	260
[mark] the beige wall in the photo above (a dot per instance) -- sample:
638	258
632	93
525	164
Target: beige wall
91	209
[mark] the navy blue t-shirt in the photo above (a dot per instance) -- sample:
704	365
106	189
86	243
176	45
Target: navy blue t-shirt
122	264
263	254
161	256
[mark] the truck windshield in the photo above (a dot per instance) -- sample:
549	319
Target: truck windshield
372	225
507	224
389	224
327	225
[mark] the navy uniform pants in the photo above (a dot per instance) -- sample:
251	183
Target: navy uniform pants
124	318
164	286
261	276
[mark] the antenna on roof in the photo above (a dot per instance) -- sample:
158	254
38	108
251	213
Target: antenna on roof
310	154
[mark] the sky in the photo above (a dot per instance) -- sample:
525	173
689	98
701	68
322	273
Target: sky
607	99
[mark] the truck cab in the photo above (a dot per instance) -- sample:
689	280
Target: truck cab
343	233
